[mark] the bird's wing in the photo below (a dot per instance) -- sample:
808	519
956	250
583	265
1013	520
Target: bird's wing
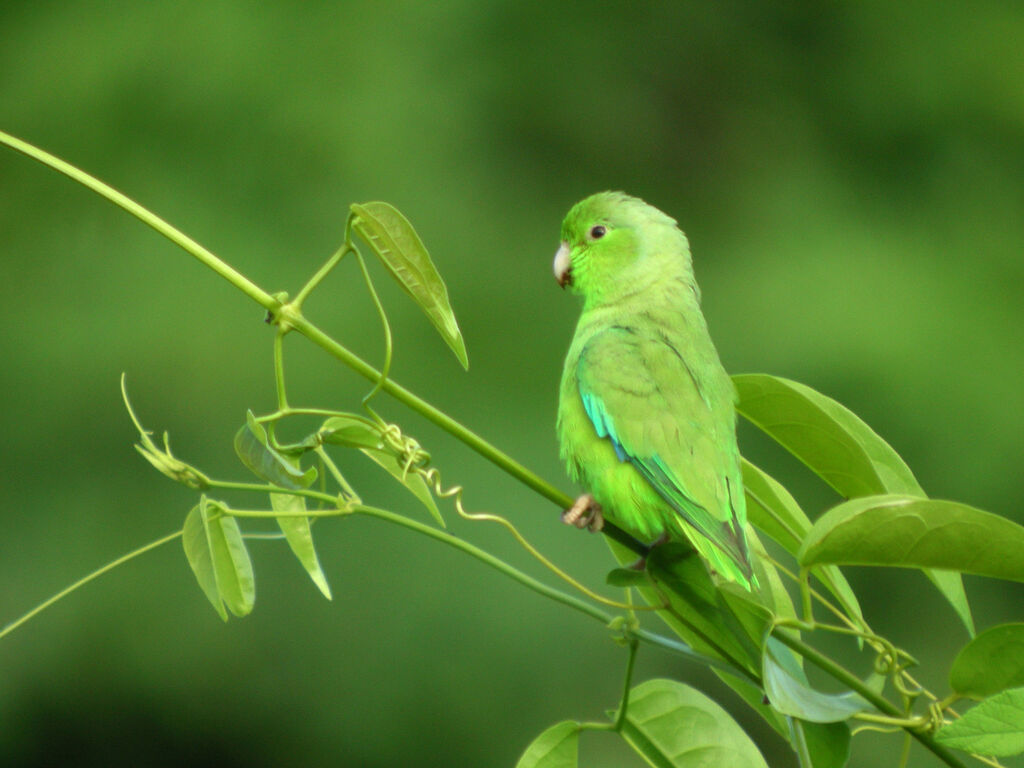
664	419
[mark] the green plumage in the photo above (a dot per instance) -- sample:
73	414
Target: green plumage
646	415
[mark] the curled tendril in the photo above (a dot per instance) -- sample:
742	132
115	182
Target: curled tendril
935	718
408	450
414	459
883	664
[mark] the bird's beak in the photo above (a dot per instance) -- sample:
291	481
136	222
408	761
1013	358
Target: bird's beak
563	267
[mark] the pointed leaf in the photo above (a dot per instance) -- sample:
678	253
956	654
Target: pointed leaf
671	725
351	431
839	447
299	534
910	532
990	663
396	243
231	564
253	448
949	583
773	510
993	727
821	745
197	550
413	481
557	747
789	693
826	436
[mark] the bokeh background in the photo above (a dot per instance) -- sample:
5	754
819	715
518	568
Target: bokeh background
851	177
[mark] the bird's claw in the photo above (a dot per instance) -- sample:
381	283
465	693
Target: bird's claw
584	513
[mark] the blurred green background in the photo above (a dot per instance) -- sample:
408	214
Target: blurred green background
851	177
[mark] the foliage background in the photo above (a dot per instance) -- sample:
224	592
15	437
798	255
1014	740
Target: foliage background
850	176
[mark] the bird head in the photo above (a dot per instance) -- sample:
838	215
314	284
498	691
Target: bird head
611	240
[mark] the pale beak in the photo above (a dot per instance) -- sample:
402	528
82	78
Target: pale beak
563	266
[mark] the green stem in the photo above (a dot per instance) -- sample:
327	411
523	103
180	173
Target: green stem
282	396
320	496
388	345
321	273
487	558
86	579
805	596
283	413
678	647
326	461
177	237
630	663
274	514
296	321
849	679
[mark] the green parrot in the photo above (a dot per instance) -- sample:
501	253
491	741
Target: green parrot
646	413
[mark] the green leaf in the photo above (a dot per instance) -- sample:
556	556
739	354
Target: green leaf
837	446
253	448
396	243
826	436
773	510
820	745
626	577
351	431
232	567
993	727
299	533
990	663
197	550
216	551
672	725
557	747
412	480
789	692
910	532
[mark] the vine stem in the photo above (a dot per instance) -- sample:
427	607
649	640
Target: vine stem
294	319
620	718
146	216
86	579
486	557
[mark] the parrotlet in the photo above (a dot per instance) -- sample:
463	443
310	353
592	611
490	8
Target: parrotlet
646	413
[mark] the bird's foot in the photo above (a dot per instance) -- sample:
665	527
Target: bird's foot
584	513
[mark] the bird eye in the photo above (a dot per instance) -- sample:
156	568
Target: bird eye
596	233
